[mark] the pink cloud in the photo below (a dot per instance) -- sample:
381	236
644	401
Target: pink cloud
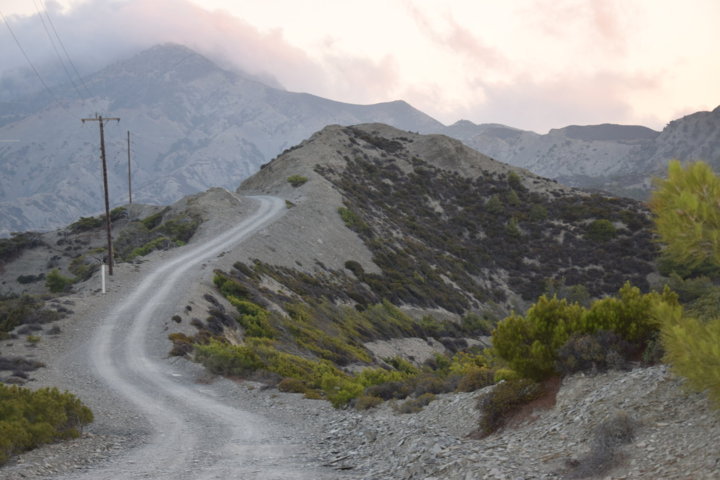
457	39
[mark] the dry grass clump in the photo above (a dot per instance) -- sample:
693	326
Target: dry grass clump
616	431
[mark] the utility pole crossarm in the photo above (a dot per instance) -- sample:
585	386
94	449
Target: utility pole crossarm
101	121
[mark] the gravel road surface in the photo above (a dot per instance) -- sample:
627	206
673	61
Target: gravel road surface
183	429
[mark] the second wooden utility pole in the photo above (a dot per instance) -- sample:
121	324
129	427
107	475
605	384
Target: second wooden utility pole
101	121
129	180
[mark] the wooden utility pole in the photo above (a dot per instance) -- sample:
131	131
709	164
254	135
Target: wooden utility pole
129	179
101	121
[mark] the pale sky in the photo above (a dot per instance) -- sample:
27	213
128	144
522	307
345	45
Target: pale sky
532	64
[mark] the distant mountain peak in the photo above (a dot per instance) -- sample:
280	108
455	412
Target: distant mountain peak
168	58
606	132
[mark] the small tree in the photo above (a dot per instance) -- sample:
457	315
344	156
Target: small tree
687	213
57	283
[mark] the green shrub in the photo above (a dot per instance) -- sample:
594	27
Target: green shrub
594	352
692	349
155	244
82	268
530	344
389	390
152	221
366	402
32	418
503	401
515	182
230	360
494	205
601	230
24	310
179	229
355	267
353	220
476	379
25	279
56	282
476	325
297	180
86	223
629	314
182	344
292	385
117	213
12	247
253	318
340	389
538	213
229	286
687	214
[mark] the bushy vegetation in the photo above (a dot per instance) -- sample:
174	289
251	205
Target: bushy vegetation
687	217
692	348
24	310
536	345
601	230
454	232
85	224
303	348
687	213
297	180
159	231
11	248
29	418
57	282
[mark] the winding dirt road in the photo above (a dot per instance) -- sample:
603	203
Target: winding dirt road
195	431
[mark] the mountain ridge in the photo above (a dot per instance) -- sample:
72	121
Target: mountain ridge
196	125
193	128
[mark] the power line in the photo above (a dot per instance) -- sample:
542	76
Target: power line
57	53
4	19
62	45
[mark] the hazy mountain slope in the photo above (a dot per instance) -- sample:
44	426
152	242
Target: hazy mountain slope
193	126
439	225
617	158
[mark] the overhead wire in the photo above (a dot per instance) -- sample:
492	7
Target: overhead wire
62	45
22	50
57	53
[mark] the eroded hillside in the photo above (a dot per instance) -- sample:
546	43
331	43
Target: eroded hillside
447	227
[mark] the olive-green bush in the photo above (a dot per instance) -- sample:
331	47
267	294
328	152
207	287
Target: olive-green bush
692	348
297	180
29	418
530	343
58	283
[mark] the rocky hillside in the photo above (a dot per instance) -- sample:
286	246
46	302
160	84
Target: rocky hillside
423	220
616	158
193	126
